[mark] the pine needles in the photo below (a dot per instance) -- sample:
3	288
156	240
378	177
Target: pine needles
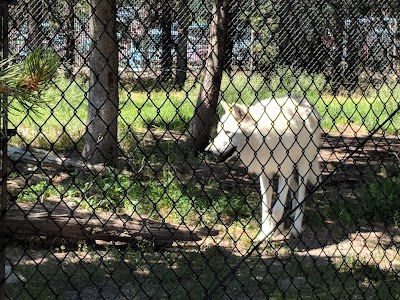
21	83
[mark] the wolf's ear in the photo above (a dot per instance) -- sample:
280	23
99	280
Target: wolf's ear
225	106
241	112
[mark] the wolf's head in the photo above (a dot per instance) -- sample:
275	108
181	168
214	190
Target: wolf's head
231	131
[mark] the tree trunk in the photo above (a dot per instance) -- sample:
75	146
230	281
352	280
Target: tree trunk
184	20
233	20
36	37
101	136
207	101
166	41
336	78
290	37
70	38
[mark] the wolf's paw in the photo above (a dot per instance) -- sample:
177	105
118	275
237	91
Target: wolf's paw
264	234
261	237
296	231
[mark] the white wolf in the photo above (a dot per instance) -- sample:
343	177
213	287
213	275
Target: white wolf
274	136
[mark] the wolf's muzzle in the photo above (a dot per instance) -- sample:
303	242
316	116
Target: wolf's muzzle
221	156
226	154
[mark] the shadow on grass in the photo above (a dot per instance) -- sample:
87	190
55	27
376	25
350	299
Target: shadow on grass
206	272
341	254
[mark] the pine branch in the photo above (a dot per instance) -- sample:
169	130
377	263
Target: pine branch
22	82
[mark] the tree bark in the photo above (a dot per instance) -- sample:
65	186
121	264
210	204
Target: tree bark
70	38
184	20
207	101
101	144
166	41
75	224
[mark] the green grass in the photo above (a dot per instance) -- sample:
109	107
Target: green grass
162	197
374	200
44	281
62	123
381	197
163	185
155	193
158	109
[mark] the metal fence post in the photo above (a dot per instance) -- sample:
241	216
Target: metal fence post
3	203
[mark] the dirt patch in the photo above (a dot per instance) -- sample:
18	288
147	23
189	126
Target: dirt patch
347	157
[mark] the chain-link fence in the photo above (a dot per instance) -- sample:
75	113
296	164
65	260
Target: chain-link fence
178	145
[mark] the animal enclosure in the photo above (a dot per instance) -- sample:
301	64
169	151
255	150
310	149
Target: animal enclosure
108	192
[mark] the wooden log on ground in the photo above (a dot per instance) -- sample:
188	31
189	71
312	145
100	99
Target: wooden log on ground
60	220
46	159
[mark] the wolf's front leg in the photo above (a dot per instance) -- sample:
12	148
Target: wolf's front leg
297	228
267	223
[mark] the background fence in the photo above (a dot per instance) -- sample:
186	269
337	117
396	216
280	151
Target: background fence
107	196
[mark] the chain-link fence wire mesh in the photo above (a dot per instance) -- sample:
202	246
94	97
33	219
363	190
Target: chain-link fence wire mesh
109	196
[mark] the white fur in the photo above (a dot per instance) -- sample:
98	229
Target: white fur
274	136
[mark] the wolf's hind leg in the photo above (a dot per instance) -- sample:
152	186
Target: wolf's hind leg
279	207
297	228
266	202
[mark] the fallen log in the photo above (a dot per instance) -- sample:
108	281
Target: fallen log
46	159
61	220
